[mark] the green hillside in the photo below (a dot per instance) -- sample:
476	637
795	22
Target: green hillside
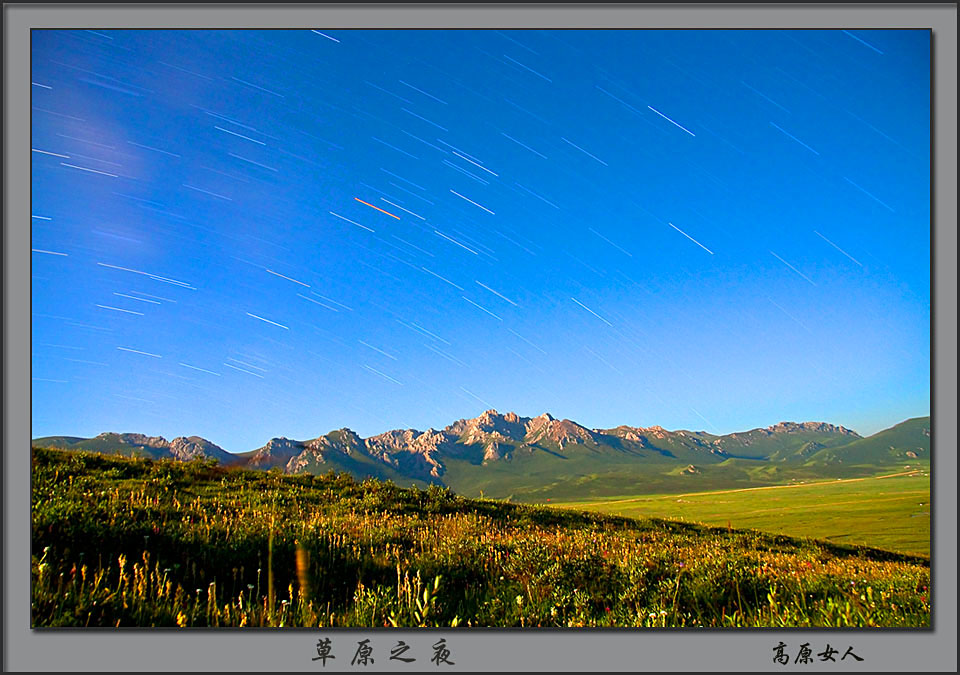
892	445
120	542
105	443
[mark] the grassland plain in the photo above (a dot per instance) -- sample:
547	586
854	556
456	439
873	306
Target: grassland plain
134	542
890	510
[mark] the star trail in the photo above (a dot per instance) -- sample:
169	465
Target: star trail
247	234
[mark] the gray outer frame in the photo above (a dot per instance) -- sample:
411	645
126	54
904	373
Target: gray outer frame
474	649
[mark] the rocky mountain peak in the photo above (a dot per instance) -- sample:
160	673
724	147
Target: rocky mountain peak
141	440
822	427
276	452
479	429
192	447
561	432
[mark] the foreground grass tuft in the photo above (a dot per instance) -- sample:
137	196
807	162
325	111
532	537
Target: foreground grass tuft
133	542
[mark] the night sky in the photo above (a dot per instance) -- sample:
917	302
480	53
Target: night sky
249	234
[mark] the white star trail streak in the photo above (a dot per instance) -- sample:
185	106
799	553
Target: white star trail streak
592	312
118	309
531	192
481	308
277	274
443	279
423	92
542	77
202	370
243	370
137	351
47	152
871	196
402	209
473	202
212	194
470	393
383	375
619	248
248	365
451	239
709	423
234	133
671	121
499	295
448	357
133	297
604	361
838	248
433	335
791	267
353	222
268	321
424	119
523	145
690	238
864	42
330	300
377	349
325	35
467	159
527	341
789	135
149	147
584	151
317	302
82	168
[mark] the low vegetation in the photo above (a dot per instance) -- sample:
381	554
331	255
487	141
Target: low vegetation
137	543
889	511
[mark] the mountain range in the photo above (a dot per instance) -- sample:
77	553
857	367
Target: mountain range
505	454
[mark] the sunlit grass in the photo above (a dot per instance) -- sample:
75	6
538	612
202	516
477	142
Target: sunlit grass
892	513
125	542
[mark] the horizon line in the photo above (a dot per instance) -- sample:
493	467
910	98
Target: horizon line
492	410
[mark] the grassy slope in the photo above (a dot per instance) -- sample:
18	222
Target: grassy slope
130	542
890	445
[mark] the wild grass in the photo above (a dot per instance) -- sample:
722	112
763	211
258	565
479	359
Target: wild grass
890	512
123	542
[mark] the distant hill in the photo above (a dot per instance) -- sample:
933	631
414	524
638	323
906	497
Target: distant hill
901	443
505	454
138	445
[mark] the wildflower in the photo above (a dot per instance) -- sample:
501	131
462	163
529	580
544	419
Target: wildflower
181	619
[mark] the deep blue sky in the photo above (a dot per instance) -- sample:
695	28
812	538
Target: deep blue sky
712	230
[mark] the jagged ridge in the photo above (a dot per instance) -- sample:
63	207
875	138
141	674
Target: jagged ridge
489	438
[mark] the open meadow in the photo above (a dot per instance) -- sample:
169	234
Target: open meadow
889	511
